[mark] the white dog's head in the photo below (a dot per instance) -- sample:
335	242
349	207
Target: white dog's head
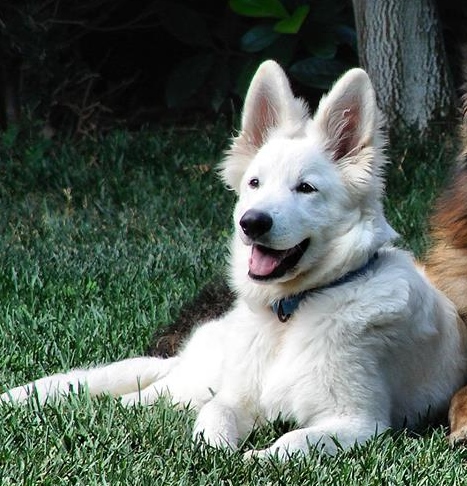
309	208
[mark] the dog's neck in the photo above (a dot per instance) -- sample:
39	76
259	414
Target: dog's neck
285	307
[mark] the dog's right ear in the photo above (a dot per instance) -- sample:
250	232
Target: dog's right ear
269	104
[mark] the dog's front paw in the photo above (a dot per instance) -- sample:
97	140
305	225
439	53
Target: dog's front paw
296	442
252	454
458	418
217	441
216	426
458	436
269	453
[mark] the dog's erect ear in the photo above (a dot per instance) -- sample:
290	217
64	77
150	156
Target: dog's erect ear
269	104
347	116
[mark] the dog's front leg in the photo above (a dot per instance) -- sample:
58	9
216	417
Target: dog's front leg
458	417
221	425
327	436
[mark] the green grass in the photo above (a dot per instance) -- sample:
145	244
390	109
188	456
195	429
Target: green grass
101	242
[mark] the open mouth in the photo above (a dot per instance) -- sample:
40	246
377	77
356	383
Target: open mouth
266	263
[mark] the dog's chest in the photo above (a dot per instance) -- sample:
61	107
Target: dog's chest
297	380
293	370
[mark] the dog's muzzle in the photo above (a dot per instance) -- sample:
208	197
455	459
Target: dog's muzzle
267	263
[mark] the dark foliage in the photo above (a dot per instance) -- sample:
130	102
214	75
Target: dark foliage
83	65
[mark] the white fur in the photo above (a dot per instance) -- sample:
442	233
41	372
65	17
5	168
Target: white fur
375	352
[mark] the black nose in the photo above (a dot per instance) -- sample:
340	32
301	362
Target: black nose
255	223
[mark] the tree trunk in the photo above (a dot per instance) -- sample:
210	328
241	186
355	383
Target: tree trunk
402	49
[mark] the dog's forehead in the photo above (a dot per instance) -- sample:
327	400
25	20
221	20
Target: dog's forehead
290	155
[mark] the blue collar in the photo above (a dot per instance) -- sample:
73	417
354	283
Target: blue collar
284	308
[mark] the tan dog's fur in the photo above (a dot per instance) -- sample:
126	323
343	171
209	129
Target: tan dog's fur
447	260
446	264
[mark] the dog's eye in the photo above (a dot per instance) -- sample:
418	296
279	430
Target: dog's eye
254	183
305	188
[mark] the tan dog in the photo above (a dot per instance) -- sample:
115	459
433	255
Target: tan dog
446	264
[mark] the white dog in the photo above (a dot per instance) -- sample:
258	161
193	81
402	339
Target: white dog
333	327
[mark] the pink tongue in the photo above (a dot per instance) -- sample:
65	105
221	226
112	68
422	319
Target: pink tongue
262	264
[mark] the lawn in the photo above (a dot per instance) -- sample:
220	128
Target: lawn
102	241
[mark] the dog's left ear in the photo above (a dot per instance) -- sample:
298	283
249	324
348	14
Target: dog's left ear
269	105
347	116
